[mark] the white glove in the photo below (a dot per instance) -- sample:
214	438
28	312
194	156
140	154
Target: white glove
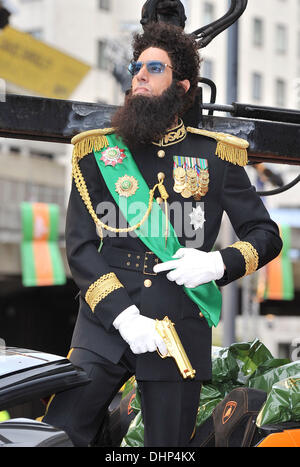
193	267
139	331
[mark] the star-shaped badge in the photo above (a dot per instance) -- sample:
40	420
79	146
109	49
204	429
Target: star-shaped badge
126	186
113	156
197	217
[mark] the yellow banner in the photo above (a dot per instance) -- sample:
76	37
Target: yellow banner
35	66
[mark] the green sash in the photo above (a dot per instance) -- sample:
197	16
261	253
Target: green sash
151	232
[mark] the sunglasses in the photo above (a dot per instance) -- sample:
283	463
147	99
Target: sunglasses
153	67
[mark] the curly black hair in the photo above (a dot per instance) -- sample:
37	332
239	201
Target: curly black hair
181	48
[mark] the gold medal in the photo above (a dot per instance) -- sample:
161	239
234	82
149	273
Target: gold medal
179	179
203	182
192	180
191	177
179	188
197	196
179	173
186	193
126	186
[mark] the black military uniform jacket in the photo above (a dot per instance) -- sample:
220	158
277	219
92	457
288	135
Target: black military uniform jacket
121	274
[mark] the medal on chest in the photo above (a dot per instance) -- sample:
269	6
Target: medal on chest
126	186
113	156
191	177
197	217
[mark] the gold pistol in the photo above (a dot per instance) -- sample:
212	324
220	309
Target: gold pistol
167	331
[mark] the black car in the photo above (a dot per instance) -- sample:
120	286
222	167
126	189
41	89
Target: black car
27	375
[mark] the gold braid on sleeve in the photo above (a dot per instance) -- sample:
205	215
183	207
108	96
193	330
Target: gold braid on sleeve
250	256
101	289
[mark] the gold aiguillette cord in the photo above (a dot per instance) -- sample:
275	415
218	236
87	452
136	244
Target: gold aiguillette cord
164	195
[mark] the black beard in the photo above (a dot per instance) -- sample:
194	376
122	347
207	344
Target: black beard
143	120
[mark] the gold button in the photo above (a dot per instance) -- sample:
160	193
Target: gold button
128	263
161	154
159	200
201	315
161	176
147	283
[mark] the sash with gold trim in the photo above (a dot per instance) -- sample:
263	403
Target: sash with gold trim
152	230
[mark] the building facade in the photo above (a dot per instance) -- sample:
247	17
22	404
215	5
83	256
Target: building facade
269	43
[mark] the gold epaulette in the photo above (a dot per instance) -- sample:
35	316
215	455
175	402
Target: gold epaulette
229	148
84	143
87	141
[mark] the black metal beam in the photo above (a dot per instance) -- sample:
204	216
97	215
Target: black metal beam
53	120
41	119
275	142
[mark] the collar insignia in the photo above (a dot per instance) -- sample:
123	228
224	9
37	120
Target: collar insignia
173	136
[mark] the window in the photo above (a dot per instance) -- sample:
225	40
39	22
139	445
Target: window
2	90
104	5
257	82
14	192
15	149
280	89
209	13
208	69
257	32
281	39
102	59
46	155
296	93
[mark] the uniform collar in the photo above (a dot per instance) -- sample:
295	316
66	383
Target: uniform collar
173	136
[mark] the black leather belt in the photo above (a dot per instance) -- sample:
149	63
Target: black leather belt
132	260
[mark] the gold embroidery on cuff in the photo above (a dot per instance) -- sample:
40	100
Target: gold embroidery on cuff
250	256
101	288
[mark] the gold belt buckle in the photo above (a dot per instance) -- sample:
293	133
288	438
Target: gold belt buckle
145	265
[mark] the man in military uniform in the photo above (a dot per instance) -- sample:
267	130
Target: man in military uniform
145	210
